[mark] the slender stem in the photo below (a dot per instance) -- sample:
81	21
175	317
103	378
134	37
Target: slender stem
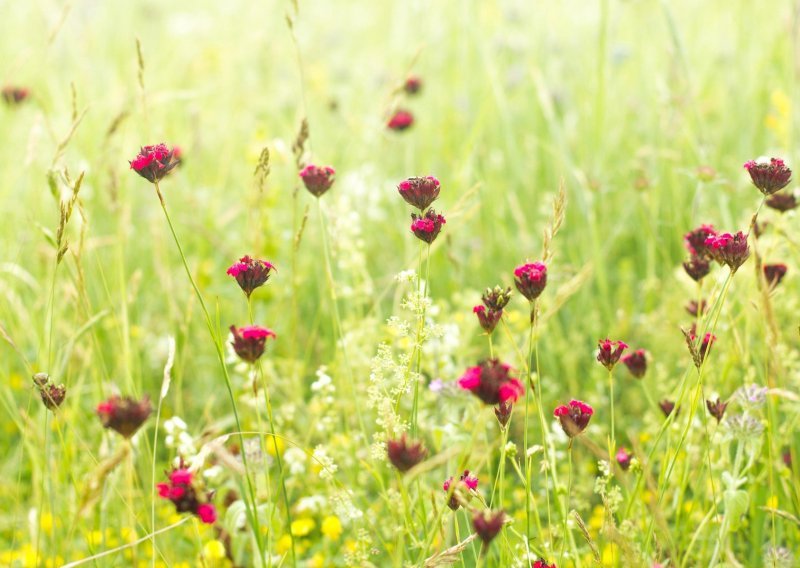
612	444
566	502
279	461
252	509
528	388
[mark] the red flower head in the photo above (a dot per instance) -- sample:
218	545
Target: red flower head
624	459
186	492
503	412
574	418
251	273
636	363
427	227
716	408
729	249
667	407
248	342
769	177
774	273
405	454
697	267
317	179
542	564
487	318
782	202
419	192
694	309
14	95
461	492
491	382
695	240
487	524
154	162
609	352
698	353
530	279
400	120
53	395
412	85
124	415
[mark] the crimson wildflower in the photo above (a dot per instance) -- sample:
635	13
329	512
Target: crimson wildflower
503	412
698	352
400	120
186	492
574	417
728	249
786	456
542	564
782	202
412	85
251	273
609	352
487	318
14	95
488	524
405	454
496	298
249	342
124	415
530	279
461	492
427	227
491	381
695	240
153	162
636	363
53	395
694	309
769	177
774	273
667	407
697	267
317	179
716	408
623	459
419	192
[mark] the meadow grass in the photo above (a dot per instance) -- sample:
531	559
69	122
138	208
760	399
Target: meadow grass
589	135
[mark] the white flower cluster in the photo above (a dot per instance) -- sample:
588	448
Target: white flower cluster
178	438
328	467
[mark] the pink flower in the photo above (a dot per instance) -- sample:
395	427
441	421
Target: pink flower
249	341
782	202
124	415
488	524
623	459
400	120
207	513
405	454
609	352
769	177
251	273
774	273
419	192
488	319
163	490
574	418
153	162
697	267
181	476
317	179
530	279
636	363
491	382
412	85
695	240
14	95
542	564
729	249
427	227
466	483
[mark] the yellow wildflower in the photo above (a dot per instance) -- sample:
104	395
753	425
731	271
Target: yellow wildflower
331	527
